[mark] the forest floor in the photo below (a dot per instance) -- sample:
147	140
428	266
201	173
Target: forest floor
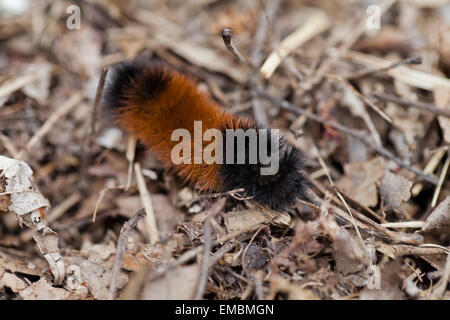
361	89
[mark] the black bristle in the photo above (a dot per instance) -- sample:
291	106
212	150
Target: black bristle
138	77
278	191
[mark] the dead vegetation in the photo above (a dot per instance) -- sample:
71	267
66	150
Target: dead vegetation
369	108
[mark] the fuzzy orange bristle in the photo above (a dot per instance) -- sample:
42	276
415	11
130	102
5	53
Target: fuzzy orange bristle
153	115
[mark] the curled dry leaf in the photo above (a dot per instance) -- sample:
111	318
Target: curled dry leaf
360	179
395	189
439	220
23	197
27	204
47	241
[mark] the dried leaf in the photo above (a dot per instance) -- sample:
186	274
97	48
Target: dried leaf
439	220
395	189
24	198
12	281
241	220
96	276
360	179
42	290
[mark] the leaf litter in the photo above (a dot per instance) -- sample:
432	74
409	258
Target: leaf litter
377	114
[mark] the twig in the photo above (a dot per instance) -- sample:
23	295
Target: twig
12	85
429	168
260	37
59	113
327	172
9	146
86	151
204	271
121	246
362	137
227	36
316	23
410	76
98	95
414	104
185	257
207	240
244	254
404	224
362	97
441	287
102	194
407	250
131	152
361	27
441	181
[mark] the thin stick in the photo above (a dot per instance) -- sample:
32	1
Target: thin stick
86	151
12	85
429	168
327	172
207	240
227	36
441	287
204	272
9	146
150	220
441	181
362	97
185	257
316	23
102	194
359	30
404	224
59	113
260	37
121	246
362	137
413	104
244	254
131	152
98	95
365	73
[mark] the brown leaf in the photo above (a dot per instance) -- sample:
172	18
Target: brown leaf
360	179
395	189
177	284
439	220
241	220
42	290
